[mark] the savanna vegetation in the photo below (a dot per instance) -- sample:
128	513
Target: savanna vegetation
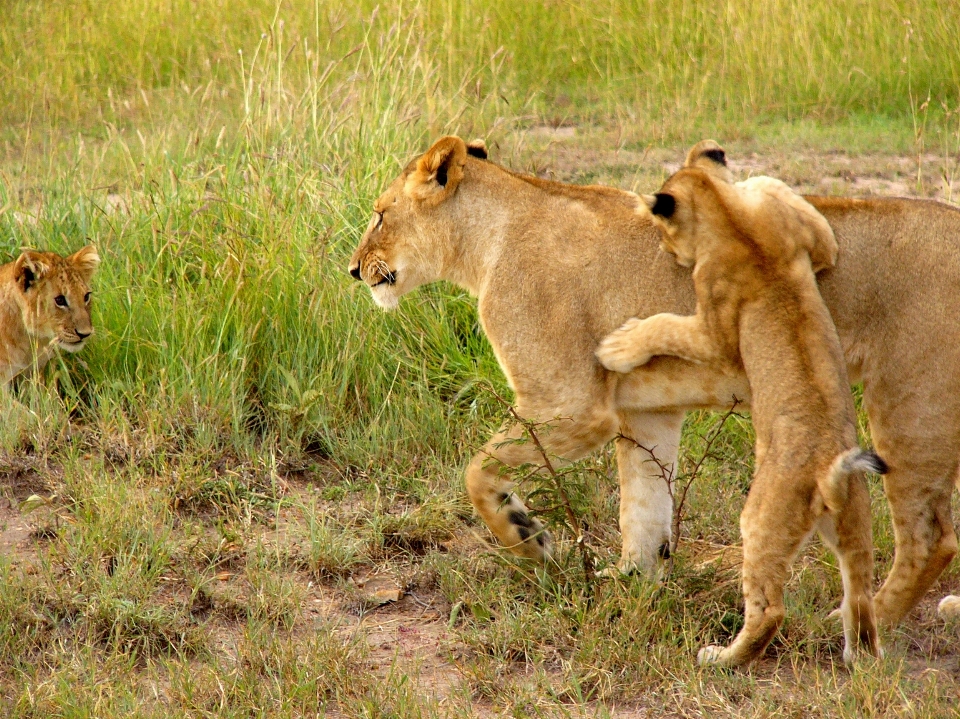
244	497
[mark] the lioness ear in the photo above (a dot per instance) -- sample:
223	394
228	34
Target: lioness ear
477	148
711	158
29	267
439	171
664	204
86	261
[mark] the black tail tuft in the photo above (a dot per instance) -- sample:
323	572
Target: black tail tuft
875	462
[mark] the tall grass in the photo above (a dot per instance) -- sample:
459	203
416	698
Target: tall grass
66	62
241	144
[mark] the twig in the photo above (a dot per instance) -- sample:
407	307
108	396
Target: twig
678	509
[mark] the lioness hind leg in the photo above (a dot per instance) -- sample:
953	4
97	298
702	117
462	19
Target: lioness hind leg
849	535
915	427
493	495
775	521
925	545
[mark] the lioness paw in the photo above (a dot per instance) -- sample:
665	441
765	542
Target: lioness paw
533	540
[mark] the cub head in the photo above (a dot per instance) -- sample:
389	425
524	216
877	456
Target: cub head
54	295
700	205
688	199
685	210
408	241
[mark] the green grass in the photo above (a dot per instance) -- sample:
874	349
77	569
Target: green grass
247	434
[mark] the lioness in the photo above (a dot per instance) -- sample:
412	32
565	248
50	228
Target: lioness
44	304
557	267
752	247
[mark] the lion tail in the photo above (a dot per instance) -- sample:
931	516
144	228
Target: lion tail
836	484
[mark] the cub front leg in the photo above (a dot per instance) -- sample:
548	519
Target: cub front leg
638	340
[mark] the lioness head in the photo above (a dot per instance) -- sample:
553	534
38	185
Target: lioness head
54	295
406	243
699	203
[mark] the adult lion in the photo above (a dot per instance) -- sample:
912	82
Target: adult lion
557	267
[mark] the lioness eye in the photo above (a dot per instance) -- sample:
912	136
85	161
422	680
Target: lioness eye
86	298
60	300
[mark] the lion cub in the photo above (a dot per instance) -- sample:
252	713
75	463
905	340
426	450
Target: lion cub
44	304
755	247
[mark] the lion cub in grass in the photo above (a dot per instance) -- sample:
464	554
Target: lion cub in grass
755	247
44	305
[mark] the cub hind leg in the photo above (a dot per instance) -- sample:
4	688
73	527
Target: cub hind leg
848	534
775	521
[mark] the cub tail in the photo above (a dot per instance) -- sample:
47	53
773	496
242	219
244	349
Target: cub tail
836	484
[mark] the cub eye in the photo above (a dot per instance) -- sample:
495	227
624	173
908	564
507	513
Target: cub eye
60	300
86	298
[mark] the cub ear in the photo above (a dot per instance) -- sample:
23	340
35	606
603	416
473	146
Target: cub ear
711	158
438	172
477	148
825	249
29	267
662	204
85	261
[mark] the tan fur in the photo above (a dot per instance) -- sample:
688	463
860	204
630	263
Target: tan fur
557	267
32	325
758	306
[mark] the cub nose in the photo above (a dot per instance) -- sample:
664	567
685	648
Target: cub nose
355	272
84	335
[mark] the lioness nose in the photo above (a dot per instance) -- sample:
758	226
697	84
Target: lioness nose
355	272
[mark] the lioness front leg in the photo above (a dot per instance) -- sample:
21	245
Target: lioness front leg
646	462
638	340
492	494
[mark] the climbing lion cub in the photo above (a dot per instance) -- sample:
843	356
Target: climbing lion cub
754	247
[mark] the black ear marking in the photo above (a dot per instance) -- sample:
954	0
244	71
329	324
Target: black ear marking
478	151
664	206
442	175
717	155
26	278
